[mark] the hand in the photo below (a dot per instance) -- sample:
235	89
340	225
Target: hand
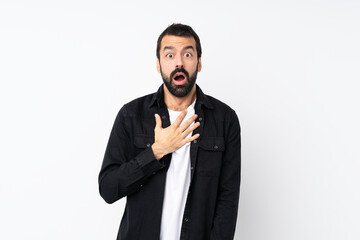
168	140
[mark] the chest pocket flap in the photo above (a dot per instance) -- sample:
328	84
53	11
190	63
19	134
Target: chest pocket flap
212	144
143	141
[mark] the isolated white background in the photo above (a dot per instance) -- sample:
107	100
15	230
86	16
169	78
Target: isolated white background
290	69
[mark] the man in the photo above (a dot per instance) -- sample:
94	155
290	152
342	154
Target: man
175	154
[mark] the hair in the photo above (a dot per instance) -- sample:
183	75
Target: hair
181	30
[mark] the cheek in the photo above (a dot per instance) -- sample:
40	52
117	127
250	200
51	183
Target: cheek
166	66
191	65
191	69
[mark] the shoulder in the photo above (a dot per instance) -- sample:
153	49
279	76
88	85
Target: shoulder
140	102
222	109
137	106
225	118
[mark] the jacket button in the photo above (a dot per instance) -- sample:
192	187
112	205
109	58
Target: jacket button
192	168
154	173
141	185
195	141
186	220
148	145
200	119
216	147
163	116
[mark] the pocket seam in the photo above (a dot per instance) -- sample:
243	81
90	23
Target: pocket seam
215	144
143	141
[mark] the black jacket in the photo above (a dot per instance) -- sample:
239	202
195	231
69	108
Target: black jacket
130	169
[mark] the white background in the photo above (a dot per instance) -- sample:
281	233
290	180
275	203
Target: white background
290	69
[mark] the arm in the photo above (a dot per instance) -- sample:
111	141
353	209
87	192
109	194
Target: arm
120	175
224	223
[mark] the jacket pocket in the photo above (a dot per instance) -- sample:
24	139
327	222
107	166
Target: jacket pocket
210	155
143	141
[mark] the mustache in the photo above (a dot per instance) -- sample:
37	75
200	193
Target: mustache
182	70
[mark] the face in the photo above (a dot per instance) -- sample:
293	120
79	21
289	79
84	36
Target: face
178	64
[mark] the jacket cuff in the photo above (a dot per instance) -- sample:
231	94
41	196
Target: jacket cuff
147	162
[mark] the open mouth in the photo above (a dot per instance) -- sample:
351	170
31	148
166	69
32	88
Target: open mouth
179	78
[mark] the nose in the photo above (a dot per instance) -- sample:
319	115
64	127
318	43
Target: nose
179	66
179	62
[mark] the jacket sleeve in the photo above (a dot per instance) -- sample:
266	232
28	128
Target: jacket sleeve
121	175
224	223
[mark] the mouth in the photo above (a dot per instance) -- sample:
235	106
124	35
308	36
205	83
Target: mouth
179	78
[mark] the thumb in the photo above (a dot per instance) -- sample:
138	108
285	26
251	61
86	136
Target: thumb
158	121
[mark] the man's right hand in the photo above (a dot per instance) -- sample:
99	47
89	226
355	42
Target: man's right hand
168	140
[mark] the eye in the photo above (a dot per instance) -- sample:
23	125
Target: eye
187	54
169	55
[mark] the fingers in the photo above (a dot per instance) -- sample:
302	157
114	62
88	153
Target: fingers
187	123
179	118
191	128
192	138
158	121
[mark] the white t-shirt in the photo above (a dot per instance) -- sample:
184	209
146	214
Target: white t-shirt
177	185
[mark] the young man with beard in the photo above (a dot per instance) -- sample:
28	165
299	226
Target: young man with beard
175	154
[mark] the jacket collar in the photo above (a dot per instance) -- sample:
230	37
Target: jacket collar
201	98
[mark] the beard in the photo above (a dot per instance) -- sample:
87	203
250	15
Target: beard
180	90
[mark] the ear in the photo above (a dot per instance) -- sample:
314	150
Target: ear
158	65
199	64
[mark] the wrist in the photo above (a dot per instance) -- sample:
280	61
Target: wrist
157	151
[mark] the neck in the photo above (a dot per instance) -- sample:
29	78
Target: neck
179	104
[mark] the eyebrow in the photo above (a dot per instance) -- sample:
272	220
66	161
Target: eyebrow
171	48
189	47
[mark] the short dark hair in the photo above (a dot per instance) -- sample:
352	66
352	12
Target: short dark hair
181	30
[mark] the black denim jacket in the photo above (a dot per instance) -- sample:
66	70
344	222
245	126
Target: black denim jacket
130	169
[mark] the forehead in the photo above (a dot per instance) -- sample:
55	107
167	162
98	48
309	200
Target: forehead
177	42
